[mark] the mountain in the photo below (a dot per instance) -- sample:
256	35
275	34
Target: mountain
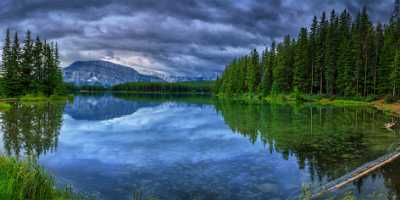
184	78
189	78
103	73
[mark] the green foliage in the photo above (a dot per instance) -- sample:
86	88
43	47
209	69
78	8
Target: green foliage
338	56
296	94
32	69
33	98
21	180
395	75
390	99
302	63
4	106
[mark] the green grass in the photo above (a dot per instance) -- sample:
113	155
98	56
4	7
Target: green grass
21	180
33	98
299	99
42	98
5	106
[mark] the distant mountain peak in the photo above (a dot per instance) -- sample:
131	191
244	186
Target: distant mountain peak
105	73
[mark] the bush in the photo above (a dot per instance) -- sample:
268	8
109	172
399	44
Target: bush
371	98
391	99
298	96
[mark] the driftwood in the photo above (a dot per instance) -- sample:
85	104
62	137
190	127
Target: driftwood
391	125
357	173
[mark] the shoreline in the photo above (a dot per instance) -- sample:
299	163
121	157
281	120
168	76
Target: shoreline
391	109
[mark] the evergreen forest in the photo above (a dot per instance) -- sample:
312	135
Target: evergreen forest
30	68
339	55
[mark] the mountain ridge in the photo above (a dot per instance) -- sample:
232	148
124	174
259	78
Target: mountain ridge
105	73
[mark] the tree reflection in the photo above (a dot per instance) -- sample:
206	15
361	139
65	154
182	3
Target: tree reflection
32	129
326	141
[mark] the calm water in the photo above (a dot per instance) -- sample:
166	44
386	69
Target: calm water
117	147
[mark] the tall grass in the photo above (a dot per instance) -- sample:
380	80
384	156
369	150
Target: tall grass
22	180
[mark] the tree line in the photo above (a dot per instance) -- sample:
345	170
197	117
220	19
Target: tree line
161	87
31	67
338	55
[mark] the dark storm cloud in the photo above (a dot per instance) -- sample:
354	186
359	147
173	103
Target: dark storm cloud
173	36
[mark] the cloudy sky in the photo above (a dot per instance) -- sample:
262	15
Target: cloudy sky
172	36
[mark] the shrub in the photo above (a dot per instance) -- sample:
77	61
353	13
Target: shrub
371	98
298	96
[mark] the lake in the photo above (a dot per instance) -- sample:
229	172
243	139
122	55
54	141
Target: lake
116	146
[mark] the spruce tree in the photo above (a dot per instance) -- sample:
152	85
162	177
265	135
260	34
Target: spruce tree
332	40
283	72
313	52
264	63
301	63
37	81
7	65
254	72
15	87
395	75
27	63
322	51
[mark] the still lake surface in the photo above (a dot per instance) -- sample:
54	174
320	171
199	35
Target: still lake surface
192	147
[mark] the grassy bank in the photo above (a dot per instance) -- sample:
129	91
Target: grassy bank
391	108
191	87
41	98
20	180
297	99
5	106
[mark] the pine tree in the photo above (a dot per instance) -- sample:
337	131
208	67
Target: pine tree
322	51
27	63
379	42
301	63
254	72
395	75
396	12
283	72
345	56
264	63
7	65
313	49
15	86
37	74
332	40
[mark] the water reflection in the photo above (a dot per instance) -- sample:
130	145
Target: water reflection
31	129
329	141
191	147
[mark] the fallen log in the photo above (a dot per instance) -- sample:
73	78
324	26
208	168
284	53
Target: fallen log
357	173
